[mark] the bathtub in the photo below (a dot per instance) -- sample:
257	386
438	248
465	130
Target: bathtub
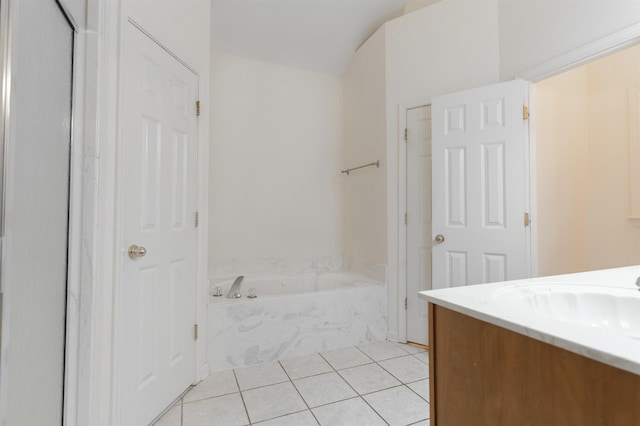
293	316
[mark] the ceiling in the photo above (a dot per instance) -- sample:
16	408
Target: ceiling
317	35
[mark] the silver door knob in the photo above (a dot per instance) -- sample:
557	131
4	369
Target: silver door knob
136	251
439	238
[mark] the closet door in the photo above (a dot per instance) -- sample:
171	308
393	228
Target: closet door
36	213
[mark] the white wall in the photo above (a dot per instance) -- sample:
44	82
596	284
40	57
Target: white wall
364	195
614	241
534	31
275	162
413	5
443	48
562	173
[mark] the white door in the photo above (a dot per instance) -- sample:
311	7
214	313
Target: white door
480	186
158	154
418	221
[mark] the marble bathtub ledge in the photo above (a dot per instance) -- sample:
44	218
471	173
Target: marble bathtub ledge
604	346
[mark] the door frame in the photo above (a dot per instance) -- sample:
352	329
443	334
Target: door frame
200	366
402	208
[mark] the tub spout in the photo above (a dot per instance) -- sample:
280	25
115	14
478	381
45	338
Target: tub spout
234	291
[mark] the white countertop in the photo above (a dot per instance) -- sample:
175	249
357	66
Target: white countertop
614	349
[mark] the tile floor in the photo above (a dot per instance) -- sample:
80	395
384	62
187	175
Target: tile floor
381	383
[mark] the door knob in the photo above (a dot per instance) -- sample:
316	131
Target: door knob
136	251
439	238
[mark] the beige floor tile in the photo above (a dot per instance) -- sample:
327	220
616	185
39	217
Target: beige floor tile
217	384
268	373
303	418
422	356
421	388
324	389
346	358
225	410
272	401
305	366
351	412
407	369
399	406
382	350
173	417
368	378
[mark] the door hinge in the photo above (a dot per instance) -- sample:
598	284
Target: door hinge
525	112
197	108
195	331
406	134
197	219
527	221
406	218
405	303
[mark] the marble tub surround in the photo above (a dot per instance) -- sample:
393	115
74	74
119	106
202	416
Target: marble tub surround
280	285
377	271
296	265
335	311
483	302
293	265
320	389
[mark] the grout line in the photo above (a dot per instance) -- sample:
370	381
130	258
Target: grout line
374	410
242	397
297	390
211	397
333	370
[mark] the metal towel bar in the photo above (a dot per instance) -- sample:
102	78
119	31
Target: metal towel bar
375	163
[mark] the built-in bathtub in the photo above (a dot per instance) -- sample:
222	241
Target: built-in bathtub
293	316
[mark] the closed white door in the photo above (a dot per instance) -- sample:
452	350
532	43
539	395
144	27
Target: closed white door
158	155
418	221
480	186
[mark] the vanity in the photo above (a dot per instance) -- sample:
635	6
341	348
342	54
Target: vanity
561	350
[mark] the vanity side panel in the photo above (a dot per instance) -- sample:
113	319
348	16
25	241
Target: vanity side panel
432	365
493	376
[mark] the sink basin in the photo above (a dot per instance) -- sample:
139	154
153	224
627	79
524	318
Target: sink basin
612	309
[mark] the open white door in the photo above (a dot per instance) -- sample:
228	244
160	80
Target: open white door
156	355
480	186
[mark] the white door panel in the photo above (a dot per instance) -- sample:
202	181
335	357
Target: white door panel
418	221
480	186
157	349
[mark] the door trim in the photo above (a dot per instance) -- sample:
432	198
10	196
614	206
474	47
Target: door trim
402	207
604	46
118	253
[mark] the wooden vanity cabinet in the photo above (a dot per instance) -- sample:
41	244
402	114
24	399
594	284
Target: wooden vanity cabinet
482	374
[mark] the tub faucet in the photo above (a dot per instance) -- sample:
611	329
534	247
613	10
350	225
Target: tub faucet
638	283
234	291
